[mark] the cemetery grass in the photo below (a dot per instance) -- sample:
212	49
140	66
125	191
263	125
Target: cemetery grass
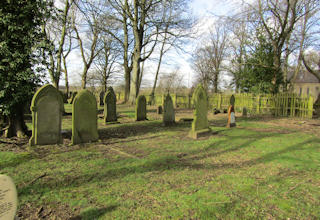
264	168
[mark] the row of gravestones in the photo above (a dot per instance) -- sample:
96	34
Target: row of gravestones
47	108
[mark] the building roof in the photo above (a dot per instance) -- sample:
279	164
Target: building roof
304	77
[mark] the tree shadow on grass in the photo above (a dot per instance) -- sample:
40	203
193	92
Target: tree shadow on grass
94	213
188	160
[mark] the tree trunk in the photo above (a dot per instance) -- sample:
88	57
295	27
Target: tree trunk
66	76
17	126
134	87
127	82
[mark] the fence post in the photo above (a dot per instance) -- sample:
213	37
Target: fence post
310	107
258	104
189	101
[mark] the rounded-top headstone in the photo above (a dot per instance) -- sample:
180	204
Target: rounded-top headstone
8	198
46	108
84	118
232	100
110	106
141	108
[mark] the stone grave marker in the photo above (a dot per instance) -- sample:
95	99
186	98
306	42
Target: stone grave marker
244	112
159	110
101	98
8	198
200	126
110	106
141	108
47	109
84	118
168	111
231	113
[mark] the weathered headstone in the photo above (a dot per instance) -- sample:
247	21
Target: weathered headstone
101	98
47	109
231	113
110	107
200	124
244	112
141	108
84	118
159	110
8	198
168	111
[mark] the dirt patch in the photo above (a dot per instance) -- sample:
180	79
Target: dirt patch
59	211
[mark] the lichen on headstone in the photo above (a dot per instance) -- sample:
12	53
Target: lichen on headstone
168	111
200	119
110	107
84	118
141	108
46	108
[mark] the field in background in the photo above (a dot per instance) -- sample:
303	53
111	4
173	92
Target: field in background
264	168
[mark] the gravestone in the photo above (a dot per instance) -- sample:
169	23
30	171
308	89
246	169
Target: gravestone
8	198
141	108
231	113
110	107
84	118
159	110
47	109
101	98
168	111
244	112
200	126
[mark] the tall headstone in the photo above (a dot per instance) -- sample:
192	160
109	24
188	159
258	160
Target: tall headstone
84	118
141	108
168	111
101	98
110	107
200	124
47	109
231	113
8	198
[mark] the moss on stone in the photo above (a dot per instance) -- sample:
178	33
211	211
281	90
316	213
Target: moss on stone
200	118
84	118
46	108
110	106
141	108
168	111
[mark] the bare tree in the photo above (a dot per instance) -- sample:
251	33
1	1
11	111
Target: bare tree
55	31
85	22
208	62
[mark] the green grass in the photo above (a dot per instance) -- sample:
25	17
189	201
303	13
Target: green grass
146	171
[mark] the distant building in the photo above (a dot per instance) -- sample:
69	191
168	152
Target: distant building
307	84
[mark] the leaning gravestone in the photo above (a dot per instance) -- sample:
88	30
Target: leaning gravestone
84	118
168	111
110	107
141	108
200	124
46	108
231	113
8	198
101	98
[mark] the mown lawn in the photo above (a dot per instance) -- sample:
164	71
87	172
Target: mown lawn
142	170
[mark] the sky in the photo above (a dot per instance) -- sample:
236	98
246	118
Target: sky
204	11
